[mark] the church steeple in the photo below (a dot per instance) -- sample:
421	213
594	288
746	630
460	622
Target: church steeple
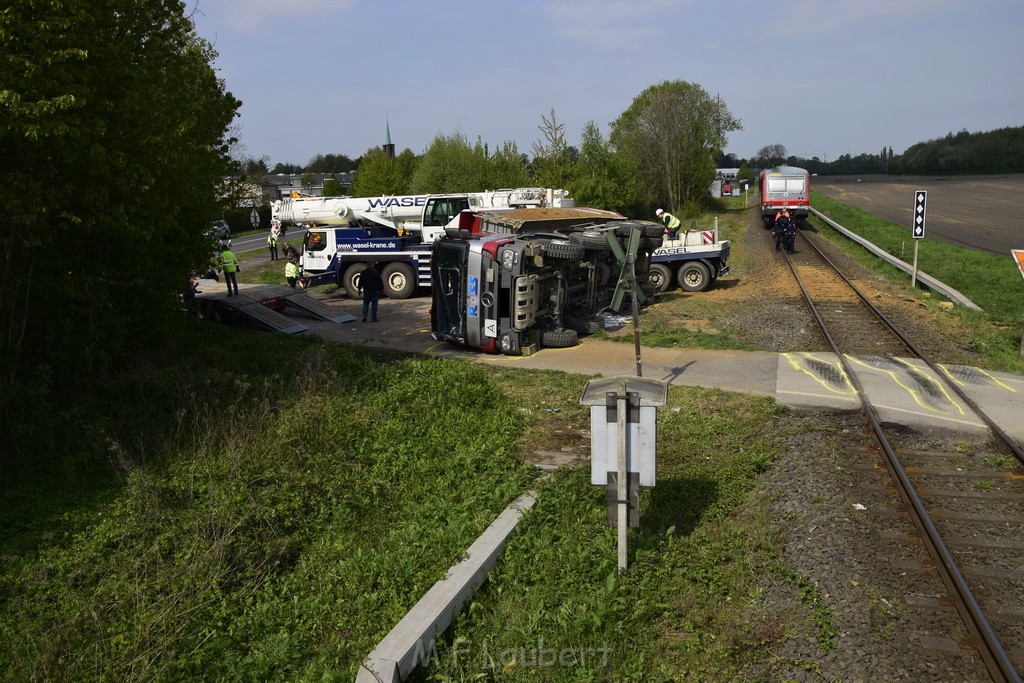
388	148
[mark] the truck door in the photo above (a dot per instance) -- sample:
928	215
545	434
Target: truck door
448	279
316	256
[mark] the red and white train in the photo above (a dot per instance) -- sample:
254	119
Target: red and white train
786	187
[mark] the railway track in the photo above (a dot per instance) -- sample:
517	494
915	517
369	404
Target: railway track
967	505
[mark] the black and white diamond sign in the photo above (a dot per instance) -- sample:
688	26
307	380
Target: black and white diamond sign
920	201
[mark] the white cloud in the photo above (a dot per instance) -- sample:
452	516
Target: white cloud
831	16
609	23
245	16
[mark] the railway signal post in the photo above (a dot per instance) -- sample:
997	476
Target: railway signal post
920	203
1018	258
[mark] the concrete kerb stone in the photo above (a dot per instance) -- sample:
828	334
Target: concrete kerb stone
412	639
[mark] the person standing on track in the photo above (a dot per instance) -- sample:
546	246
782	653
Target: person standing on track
370	285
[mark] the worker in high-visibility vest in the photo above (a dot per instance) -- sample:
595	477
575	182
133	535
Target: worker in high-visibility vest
228	263
291	272
670	221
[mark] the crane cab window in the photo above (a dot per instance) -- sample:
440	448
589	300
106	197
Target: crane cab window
315	240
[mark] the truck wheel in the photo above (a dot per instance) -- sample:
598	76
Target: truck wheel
694	276
654	230
661	277
559	339
565	251
350	281
590	239
583	325
399	280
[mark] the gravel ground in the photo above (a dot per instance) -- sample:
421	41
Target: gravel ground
844	527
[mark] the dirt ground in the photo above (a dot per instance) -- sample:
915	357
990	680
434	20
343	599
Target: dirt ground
978	212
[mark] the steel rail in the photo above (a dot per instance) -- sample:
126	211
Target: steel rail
991	649
1010	442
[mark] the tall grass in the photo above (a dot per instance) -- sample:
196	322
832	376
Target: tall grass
557	609
275	529
990	280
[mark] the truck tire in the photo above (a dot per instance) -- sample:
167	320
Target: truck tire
694	276
399	280
582	325
565	251
559	339
590	239
350	280
654	230
660	277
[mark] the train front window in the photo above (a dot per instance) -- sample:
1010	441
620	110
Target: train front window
790	185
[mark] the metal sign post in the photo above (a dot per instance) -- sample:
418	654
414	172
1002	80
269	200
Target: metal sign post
920	203
1018	257
623	428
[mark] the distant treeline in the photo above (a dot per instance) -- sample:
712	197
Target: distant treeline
997	151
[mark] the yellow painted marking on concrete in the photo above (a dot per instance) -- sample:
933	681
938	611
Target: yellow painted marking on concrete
993	379
795	361
911	390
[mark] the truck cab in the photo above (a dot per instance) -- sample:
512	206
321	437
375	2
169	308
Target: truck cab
515	294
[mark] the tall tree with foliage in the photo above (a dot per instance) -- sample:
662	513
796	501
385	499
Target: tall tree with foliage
451	164
507	168
672	133
552	156
113	126
378	174
603	178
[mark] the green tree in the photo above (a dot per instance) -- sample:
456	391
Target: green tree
602	178
330	163
507	168
332	188
450	164
378	174
672	132
770	155
552	157
112	125
745	173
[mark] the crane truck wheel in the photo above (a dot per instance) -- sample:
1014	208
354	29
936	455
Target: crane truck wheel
559	339
694	276
350	281
660	277
399	280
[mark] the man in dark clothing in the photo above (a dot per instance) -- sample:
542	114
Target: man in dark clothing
779	231
370	285
789	236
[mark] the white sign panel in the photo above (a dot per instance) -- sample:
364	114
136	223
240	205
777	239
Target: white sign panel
920	203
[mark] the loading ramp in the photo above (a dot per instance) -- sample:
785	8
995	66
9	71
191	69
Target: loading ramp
263	304
318	308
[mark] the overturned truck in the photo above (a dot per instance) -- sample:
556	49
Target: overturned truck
507	283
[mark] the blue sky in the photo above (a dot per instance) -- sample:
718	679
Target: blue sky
821	77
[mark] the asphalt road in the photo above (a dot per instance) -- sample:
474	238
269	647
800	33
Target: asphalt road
982	212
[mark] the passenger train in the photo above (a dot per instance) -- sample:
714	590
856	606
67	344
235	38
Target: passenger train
785	186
